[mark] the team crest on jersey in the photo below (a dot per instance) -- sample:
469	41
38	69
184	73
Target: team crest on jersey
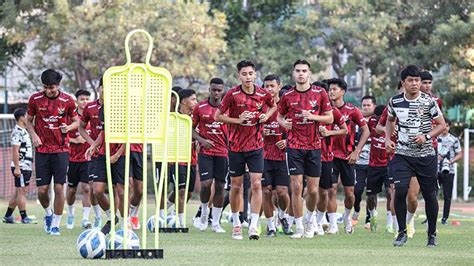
61	111
314	104
259	106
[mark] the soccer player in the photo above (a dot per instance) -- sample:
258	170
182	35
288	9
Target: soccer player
345	154
78	171
426	86
377	173
245	104
362	164
212	157
299	111
49	111
414	152
136	182
275	175
449	152
22	159
94	114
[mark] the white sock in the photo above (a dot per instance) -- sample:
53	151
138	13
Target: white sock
320	216
235	219
325	220
70	210
56	220
291	220
355	216
85	213
48	211
162	213
347	214
299	223
410	216
108	215
254	220
133	210
308	217
181	219
373	213
332	218
204	210
271	223
216	215
395	223
389	218
281	213
97	211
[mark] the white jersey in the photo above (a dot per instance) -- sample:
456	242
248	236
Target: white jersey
20	137
448	147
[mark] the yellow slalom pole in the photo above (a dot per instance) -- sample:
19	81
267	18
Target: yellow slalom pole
145	162
188	173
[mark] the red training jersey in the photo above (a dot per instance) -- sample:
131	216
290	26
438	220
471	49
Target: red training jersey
247	136
209	128
344	145
304	133
274	134
49	114
327	154
77	152
378	154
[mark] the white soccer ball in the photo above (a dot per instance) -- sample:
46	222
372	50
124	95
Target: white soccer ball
150	224
171	221
132	240
91	244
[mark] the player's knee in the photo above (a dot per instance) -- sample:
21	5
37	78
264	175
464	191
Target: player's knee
282	192
267	191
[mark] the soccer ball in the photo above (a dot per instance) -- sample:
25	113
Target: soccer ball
132	240
91	244
171	221
150	224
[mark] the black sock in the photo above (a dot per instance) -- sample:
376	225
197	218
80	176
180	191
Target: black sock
210	213
431	209
198	213
23	214
401	208
9	212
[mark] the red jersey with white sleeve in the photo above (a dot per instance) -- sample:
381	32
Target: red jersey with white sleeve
49	114
344	145
327	154
247	136
209	128
304	133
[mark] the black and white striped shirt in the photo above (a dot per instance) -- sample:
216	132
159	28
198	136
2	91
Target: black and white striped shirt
414	118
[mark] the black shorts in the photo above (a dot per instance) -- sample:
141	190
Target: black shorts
390	172
78	172
327	179
136	165
49	165
238	160
361	176
92	166
182	176
24	179
213	167
275	174
118	170
424	168
171	172
376	176
343	168
304	162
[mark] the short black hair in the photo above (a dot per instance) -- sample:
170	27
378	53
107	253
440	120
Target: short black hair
18	113
321	84
245	63
339	82
301	62
448	122
379	109
176	89
185	93
399	85
369	97
282	92
216	81
51	77
425	75
410	71
271	77
82	92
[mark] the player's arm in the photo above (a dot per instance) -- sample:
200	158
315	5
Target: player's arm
334	132
114	158
77	140
379	129
264	117
35	139
16	160
220	117
326	118
389	130
207	143
354	156
456	158
94	146
72	126
439	127
83	132
285	123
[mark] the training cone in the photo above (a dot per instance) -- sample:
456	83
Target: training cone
456	223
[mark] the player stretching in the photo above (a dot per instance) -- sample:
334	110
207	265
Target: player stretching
299	111
245	104
414	153
49	111
345	156
212	157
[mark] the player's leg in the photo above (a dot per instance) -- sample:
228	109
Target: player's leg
282	183
220	174
267	191
403	174
73	179
312	170
412	200
95	205
43	168
375	180
332	202
206	174
325	183
255	161
295	159
22	190
136	174
348	181
12	203
448	180
360	184
60	163
86	194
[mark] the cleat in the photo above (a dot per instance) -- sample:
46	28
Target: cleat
97	222
135	223
237	232
319	230
245	224
367	226
47	223
389	229
107	226
218	229
286	226
411	229
85	224
354	222
253	233
340	220
298	234
271	233
400	240
55	231
308	230
432	242
197	222
424	221
203	223
27	220
8	220
373	224
333	230
444	221
70	222
348	228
